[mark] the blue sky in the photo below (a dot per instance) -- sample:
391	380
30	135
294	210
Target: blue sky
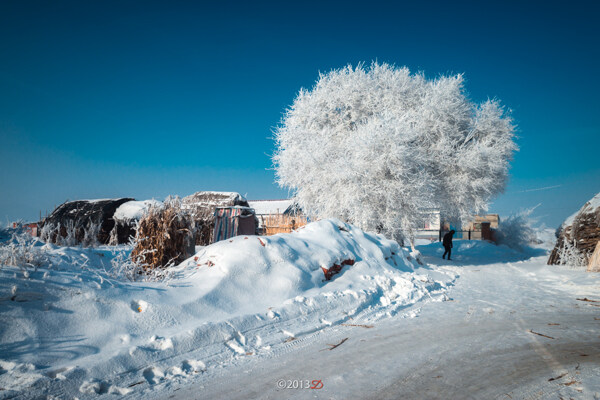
145	99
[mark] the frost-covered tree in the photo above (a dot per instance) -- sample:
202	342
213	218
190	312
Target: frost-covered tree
376	145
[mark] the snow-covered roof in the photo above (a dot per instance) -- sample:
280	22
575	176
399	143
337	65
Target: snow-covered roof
211	198
133	210
267	207
589	207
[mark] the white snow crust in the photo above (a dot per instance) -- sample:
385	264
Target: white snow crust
134	210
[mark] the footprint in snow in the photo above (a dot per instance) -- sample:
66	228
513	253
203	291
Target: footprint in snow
193	366
290	336
160	343
59	374
235	346
240	338
153	375
100	387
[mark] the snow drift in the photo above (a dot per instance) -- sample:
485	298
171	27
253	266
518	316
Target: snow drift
73	327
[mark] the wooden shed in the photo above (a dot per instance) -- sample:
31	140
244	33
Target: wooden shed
233	221
202	206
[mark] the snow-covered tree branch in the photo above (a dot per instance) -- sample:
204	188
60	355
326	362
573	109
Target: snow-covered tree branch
376	145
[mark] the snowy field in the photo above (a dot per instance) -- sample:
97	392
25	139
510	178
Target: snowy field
243	316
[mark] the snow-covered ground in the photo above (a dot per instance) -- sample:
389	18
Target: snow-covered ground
483	343
73	328
493	323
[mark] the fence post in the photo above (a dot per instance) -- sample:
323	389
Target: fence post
440	234
469	234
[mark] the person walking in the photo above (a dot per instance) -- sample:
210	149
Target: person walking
447	242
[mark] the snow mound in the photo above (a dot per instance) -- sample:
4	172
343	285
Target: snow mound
247	296
249	271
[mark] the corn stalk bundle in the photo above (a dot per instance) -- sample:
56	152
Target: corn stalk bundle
165	236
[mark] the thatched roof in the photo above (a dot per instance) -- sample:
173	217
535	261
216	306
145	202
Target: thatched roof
206	202
581	229
78	219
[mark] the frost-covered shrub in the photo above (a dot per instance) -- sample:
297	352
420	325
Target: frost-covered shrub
22	251
125	266
516	231
569	254
580	232
68	234
375	146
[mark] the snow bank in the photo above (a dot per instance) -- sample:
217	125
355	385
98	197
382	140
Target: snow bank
247	273
72	327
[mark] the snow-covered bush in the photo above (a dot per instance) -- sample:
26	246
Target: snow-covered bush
569	254
578	236
133	269
375	146
516	231
69	235
22	251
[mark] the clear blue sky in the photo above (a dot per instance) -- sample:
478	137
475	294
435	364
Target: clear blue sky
145	99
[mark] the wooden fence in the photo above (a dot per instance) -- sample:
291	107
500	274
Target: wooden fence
278	223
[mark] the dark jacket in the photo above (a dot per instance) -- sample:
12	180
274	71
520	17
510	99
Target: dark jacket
447	240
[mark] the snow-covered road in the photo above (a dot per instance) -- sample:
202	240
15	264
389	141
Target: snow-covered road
493	323
511	330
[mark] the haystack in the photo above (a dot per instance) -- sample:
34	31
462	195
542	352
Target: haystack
579	235
202	205
86	222
594	264
165	236
127	217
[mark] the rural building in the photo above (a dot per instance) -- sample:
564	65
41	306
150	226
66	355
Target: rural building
433	225
31	228
479	225
278	216
85	222
202	206
233	221
271	207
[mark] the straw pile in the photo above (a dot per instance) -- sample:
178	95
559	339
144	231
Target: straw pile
165	236
594	264
581	231
280	223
